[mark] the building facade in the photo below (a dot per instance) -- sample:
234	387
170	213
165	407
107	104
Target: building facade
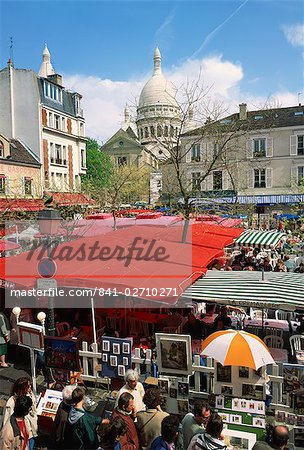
48	118
260	162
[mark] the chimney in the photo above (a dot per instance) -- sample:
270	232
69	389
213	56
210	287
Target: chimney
10	63
243	111
56	78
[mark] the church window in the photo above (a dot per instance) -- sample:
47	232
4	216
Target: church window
146	132
176	131
122	161
171	131
166	131
152	131
141	133
1	149
159	131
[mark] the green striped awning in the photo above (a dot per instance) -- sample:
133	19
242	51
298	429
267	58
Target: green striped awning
260	237
278	290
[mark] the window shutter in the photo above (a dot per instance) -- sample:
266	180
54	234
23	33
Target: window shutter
7	186
250	178
294	175
269	147
269	177
225	178
249	148
188	152
203	185
21	185
202	151
209	182
293	145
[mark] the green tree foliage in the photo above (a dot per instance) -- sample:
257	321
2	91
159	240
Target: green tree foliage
98	169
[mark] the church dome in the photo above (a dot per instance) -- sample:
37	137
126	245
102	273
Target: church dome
158	90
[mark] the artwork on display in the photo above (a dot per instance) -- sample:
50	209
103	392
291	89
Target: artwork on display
163	402
48	403
235	418
227	390
243	372
174	354
293	377
163	386
121	371
116	356
183	388
223	373
239	440
249	406
173	392
258	422
113	360
105	345
281	416
183	407
300	421
253	391
116	349
219	401
61	353
61	376
30	335
291	419
225	417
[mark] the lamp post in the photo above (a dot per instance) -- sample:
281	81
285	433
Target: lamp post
16	311
49	220
41	317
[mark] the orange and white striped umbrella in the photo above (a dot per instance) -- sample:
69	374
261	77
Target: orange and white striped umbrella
237	348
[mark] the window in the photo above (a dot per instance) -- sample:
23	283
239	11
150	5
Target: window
81	129
82	158
58	154
146	132
259	148
57	122
63	124
259	178
196	181
122	161
152	131
300	144
1	149
51	122
166	131
300	175
52	152
259	117
159	131
64	155
52	92
195	153
28	186
218	180
2	184
299	113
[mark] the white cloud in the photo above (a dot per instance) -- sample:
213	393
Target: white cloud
294	34
104	100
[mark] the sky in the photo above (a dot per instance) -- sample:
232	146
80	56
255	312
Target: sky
243	51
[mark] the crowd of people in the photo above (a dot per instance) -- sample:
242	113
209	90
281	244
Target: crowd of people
127	428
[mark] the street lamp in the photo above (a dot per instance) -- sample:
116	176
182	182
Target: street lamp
48	221
41	317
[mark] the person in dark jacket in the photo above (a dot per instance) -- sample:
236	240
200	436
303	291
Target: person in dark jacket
110	434
82	430
169	434
125	410
15	433
58	438
211	439
279	440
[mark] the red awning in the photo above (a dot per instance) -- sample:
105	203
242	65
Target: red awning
70	198
20	204
185	262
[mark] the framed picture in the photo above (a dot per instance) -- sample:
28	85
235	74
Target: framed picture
61	353
121	371
173	392
126	347
258	422
219	401
291	419
61	376
243	372
300	421
260	407
163	386
183	388
235	418
113	360
253	391
105	346
30	335
281	416
225	417
116	349
227	390
125	361
104	357
163	402
223	373
183	407
174	354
